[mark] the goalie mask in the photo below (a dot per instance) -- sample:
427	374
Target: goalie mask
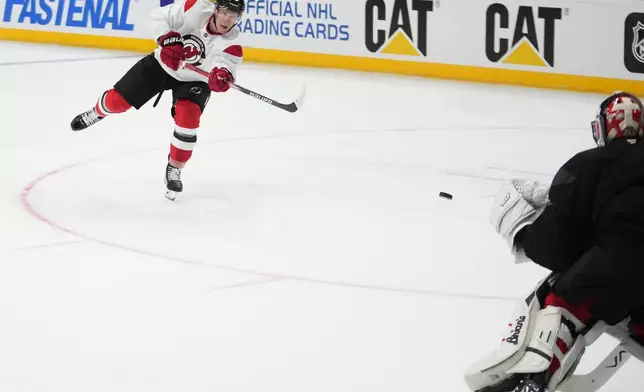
619	116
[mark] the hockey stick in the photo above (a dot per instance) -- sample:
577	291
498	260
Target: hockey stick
289	107
596	378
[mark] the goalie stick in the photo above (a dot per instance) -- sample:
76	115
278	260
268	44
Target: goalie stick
597	377
289	107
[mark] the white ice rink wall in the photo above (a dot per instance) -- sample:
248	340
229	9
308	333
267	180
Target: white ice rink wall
582	45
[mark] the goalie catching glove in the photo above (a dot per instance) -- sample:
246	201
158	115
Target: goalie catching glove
517	204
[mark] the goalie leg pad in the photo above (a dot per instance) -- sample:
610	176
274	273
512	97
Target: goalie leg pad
542	341
491	372
555	348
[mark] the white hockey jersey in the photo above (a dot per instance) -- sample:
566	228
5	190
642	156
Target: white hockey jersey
202	47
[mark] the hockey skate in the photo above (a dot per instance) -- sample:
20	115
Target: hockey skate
172	181
85	119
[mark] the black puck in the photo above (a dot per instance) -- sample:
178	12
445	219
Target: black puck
445	195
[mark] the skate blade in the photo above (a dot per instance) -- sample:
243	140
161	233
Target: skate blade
170	195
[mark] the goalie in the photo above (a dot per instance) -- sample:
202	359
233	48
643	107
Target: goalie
587	227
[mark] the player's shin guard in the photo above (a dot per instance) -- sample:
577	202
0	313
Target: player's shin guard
182	146
184	138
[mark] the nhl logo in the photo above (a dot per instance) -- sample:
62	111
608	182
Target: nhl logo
638	42
634	42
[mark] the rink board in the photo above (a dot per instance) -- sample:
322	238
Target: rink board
591	46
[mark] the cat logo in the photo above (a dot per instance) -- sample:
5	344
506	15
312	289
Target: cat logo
392	30
527	46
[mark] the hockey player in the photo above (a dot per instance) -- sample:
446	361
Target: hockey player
198	32
587	228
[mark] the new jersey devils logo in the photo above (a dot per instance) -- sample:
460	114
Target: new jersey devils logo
193	49
638	42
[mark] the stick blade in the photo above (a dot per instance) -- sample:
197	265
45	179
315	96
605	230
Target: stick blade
297	104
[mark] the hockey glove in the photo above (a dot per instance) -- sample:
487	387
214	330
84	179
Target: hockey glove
534	192
172	50
518	204
219	79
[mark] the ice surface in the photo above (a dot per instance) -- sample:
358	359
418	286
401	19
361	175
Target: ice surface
308	252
